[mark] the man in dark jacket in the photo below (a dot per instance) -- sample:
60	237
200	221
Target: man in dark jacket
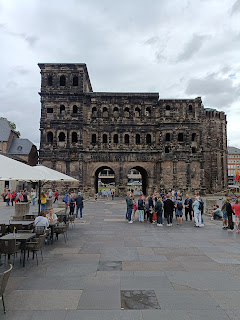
168	209
79	204
229	214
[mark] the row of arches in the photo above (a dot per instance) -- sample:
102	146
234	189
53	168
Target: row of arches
62	81
62	137
62	109
126	112
105	138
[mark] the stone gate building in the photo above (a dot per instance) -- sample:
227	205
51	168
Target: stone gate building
173	143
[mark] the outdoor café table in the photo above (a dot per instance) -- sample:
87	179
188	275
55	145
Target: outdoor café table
22	237
30	215
24	223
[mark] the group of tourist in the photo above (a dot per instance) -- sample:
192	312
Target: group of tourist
229	211
16	196
156	207
73	201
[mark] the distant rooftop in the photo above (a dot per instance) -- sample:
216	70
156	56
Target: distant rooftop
5	130
20	146
233	150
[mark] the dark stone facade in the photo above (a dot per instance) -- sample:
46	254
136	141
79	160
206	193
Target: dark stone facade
174	143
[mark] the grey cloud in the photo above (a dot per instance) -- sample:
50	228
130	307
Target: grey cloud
152	40
30	39
192	47
216	92
236	7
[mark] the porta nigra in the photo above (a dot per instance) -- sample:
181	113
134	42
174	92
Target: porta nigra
173	143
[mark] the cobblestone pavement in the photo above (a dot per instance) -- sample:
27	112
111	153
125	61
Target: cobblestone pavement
110	270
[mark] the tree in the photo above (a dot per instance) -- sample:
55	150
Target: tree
12	125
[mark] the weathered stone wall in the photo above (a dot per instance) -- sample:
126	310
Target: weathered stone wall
173	143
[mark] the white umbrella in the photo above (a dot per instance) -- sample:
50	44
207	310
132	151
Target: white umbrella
11	169
46	174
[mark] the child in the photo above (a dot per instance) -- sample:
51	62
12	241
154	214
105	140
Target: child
134	209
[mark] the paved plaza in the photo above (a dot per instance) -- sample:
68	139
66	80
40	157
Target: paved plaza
110	270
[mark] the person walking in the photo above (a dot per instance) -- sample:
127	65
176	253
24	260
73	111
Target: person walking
141	209
159	210
168	209
66	199
13	197
56	195
43	200
236	209
197	212
79	205
188	207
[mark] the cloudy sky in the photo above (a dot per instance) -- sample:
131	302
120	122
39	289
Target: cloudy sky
179	48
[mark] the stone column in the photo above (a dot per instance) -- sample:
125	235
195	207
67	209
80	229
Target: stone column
21	209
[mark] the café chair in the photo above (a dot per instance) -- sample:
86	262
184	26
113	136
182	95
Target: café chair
4	276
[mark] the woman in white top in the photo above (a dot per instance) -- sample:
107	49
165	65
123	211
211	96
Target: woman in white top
52	219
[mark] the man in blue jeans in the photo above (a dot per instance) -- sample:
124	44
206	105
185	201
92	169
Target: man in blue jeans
79	204
129	208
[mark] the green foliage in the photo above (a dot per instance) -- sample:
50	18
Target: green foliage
12	125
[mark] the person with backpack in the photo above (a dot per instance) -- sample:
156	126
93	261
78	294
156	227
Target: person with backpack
130	208
179	210
159	210
141	209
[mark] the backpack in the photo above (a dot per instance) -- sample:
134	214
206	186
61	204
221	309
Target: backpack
179	206
201	205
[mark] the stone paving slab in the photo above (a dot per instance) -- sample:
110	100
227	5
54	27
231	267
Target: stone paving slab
100	300
204	280
184	300
104	315
160	283
227	300
151	266
43	299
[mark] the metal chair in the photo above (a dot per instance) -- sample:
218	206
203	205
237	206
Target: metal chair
71	219
3	283
3	229
62	229
39	230
9	247
36	246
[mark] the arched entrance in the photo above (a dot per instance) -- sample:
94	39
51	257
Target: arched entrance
104	179
138	180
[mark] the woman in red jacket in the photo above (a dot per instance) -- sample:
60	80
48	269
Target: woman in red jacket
236	210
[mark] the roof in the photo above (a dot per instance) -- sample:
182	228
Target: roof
233	150
5	130
20	146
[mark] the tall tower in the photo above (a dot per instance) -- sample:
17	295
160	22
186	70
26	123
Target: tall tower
63	91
